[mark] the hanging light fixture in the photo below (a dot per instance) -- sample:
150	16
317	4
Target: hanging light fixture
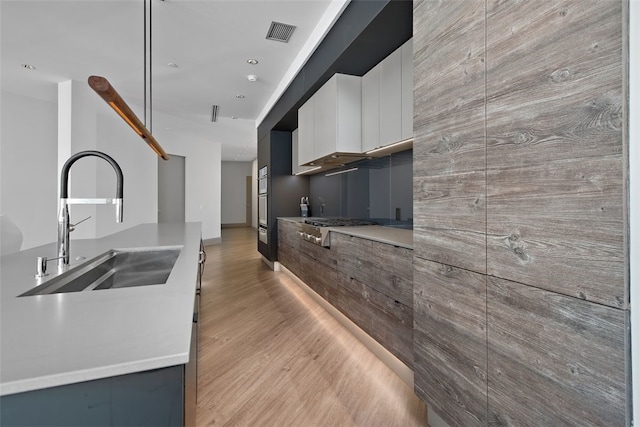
103	88
107	92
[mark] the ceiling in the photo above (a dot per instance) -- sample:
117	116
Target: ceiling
209	41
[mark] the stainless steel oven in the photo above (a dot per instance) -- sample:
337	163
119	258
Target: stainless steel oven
262	180
262	209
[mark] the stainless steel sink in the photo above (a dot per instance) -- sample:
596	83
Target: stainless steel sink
114	269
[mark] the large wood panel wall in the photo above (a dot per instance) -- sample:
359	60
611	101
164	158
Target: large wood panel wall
520	251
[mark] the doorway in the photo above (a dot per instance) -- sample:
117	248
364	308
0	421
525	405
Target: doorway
171	189
249	198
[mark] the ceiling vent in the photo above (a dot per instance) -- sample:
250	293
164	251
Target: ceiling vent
280	32
214	113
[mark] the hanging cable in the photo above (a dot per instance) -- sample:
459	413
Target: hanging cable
150	66
144	56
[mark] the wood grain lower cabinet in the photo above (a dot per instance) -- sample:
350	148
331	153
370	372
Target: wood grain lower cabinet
315	265
288	246
450	370
375	288
369	282
150	398
554	360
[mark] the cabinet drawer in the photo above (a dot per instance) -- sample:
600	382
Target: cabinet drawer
383	267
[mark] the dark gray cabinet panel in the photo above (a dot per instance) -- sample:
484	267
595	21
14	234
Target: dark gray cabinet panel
555	177
450	368
283	189
554	360
150	398
449	144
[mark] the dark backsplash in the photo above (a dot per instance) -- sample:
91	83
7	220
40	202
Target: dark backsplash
380	190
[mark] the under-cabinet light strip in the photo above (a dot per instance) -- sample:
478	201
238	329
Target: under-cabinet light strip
386	147
339	172
308	170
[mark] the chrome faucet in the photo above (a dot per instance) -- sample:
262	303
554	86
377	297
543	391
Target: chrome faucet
64	227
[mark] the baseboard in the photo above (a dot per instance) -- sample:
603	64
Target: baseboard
395	364
214	241
275	266
238	225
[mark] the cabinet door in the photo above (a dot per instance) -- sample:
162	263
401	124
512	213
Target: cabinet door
325	102
306	132
407	90
371	109
391	98
295	162
349	114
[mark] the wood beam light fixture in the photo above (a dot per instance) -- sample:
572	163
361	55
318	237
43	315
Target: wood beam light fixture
107	92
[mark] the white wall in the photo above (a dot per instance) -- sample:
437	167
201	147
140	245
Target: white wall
140	169
28	166
234	201
85	122
202	177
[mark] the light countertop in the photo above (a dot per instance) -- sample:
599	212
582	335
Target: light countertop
379	233
390	235
58	339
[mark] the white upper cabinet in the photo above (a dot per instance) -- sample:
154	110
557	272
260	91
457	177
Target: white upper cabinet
391	98
407	90
306	132
329	122
387	100
338	116
295	159
371	109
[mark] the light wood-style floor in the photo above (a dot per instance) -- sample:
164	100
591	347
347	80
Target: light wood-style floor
269	355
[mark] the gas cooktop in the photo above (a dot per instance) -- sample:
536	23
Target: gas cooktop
337	222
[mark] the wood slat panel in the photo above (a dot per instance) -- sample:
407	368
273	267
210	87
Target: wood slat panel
450	342
449	144
555	159
554	360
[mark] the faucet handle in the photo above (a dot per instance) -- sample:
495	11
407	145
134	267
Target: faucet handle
73	226
41	266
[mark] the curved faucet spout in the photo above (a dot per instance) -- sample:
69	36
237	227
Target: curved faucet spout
63	217
64	175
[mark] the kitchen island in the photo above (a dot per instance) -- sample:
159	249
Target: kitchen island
75	341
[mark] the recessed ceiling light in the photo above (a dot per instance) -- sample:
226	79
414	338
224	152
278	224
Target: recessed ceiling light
252	61
28	67
172	65
252	77
234	117
240	96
